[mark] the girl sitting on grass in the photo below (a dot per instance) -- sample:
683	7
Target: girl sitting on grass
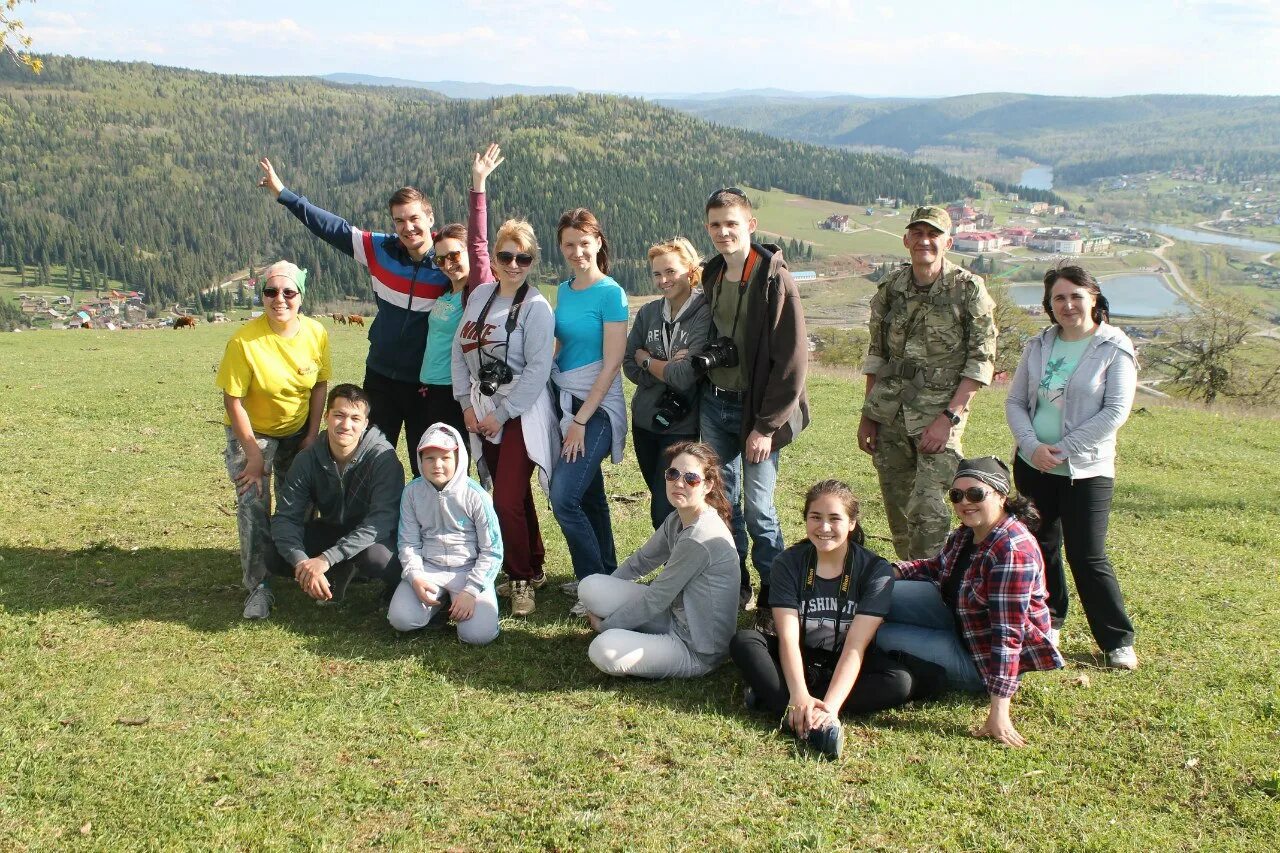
829	595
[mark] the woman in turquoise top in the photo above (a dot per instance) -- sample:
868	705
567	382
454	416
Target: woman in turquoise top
1072	391
591	331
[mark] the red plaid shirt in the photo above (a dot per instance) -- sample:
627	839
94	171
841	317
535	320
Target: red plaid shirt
1001	604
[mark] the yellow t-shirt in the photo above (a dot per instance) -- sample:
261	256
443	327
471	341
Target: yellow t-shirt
273	376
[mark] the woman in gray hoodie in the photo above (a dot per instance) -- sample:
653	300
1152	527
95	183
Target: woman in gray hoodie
1072	391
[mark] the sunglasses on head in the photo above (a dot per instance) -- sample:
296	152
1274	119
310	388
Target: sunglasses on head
729	190
973	494
448	257
691	478
522	260
273	292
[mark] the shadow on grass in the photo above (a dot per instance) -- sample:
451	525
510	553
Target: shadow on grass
199	588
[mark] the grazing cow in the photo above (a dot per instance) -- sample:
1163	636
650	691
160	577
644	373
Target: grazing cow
339	318
355	320
184	322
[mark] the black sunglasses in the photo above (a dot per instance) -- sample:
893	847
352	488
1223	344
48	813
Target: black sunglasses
729	190
522	260
273	292
691	478
448	257
974	494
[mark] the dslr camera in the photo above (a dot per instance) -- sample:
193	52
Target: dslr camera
671	408
722	352
494	374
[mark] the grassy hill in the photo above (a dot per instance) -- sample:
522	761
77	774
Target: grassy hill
1082	138
141	711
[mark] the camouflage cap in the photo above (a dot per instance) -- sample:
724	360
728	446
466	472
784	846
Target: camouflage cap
932	215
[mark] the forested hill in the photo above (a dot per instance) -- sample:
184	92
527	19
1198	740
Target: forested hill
1083	138
148	174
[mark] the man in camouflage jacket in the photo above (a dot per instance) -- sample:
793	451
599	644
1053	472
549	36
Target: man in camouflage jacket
933	345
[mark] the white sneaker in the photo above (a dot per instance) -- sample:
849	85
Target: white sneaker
1055	637
1122	658
570	589
258	604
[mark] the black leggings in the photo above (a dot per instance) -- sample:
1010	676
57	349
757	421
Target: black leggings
885	680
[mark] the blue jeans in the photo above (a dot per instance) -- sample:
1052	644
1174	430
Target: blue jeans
580	504
920	623
748	485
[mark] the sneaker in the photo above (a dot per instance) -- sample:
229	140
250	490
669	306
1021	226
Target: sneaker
764	621
570	589
827	742
749	699
1055	637
746	599
578	609
521	598
1122	658
504	588
258	604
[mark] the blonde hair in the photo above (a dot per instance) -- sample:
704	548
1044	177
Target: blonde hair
682	249
520	232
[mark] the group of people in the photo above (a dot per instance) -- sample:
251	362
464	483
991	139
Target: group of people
472	363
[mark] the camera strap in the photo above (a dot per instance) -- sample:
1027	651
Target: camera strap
513	313
752	258
842	597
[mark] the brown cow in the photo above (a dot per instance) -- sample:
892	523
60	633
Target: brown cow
339	318
184	322
355	319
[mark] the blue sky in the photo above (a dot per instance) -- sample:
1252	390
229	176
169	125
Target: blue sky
867	48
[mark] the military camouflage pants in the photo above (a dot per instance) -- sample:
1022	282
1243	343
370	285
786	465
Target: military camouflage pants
253	510
914	486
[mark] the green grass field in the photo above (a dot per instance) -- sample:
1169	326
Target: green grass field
141	712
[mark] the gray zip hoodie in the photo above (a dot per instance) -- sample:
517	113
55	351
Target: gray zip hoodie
662	336
453	529
363	498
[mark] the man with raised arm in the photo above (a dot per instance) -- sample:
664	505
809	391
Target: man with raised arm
933	345
406	284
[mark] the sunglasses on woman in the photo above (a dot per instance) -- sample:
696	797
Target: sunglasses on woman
973	494
522	260
273	292
448	257
691	478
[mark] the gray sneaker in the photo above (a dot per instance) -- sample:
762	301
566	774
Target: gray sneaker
570	589
578	609
1122	658
258	604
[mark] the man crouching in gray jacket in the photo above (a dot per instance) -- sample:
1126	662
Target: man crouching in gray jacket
353	478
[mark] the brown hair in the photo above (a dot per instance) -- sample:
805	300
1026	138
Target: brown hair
408	195
581	219
729	197
682	249
1080	277
452	231
705	454
843	493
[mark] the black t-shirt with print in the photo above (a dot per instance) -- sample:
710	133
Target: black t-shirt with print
870	591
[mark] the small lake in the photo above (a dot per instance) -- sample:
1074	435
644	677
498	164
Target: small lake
1194	235
1141	295
1037	178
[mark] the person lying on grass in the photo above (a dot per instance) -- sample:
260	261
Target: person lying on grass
449	543
829	595
680	624
978	608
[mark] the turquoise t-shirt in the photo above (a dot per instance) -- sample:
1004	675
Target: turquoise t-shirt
1047	420
437	358
580	319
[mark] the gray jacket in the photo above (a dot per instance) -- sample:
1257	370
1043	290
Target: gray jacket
453	529
687	330
529	353
363	499
1096	400
698	584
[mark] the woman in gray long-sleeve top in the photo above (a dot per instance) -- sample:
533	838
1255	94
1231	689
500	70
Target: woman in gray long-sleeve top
680	624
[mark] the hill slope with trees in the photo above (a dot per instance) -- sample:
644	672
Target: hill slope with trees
147	174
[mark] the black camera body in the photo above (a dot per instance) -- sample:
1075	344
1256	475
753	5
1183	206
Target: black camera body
671	408
722	352
493	375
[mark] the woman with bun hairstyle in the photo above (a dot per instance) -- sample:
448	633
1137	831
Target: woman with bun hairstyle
666	334
978	608
1071	393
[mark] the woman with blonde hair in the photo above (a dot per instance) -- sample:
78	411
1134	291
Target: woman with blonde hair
666	333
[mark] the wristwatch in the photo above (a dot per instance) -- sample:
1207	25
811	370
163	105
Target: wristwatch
952	416
645	364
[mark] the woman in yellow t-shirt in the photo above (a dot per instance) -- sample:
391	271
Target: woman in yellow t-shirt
274	376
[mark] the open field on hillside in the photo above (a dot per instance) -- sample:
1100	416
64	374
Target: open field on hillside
140	711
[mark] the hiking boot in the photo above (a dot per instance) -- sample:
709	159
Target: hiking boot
258	604
504	588
827	742
522	603
570	589
1122	658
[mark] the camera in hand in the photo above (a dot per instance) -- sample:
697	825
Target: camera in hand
671	408
722	352
493	375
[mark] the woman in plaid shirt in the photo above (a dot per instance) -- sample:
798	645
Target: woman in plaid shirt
979	608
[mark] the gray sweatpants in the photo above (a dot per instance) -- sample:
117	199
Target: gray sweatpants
253	509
